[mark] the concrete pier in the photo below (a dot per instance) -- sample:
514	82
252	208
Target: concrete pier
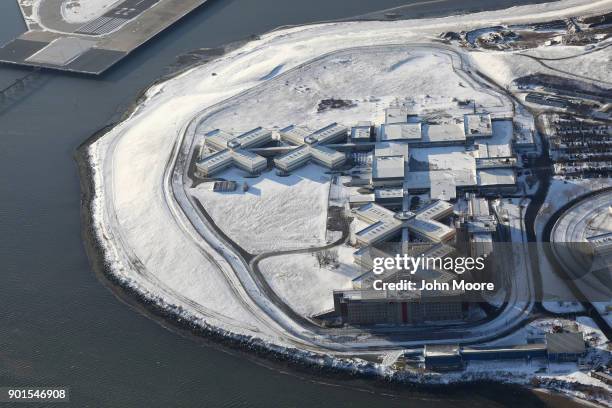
97	45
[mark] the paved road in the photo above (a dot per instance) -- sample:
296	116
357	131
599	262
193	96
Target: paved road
50	14
577	287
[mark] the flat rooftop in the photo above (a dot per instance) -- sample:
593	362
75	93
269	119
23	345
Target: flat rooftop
400	131
391	149
491	177
565	343
373	213
423	179
445	133
436	210
97	45
443	186
388	167
478	125
361	131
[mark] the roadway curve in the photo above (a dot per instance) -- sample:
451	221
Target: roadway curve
567	227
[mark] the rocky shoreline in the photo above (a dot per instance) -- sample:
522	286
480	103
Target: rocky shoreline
177	319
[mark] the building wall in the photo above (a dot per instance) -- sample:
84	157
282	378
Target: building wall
395	312
561	357
367	312
437	311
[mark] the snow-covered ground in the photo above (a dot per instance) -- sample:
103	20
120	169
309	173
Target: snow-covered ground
562	191
82	11
504	66
595	65
275	213
373	79
156	251
305	285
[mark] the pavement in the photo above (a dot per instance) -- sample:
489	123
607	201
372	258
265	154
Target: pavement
108	39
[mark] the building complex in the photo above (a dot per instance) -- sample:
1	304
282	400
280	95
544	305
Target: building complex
406	157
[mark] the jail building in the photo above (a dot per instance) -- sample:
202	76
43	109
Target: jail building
311	147
232	151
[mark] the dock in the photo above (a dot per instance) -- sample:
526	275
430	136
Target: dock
97	45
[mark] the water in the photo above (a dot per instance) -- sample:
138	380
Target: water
60	326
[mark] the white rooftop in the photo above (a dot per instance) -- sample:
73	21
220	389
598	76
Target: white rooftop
361	131
391	149
400	131
373	212
478	125
423	179
491	177
443	133
443	186
478	206
388	167
295	134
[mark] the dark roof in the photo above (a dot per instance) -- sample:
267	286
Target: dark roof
566	342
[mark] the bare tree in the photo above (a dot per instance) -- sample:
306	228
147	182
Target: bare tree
327	257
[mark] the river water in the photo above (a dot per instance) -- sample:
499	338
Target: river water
60	326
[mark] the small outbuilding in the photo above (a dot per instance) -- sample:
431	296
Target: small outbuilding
565	346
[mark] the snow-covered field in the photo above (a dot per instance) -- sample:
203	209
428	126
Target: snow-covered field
82	11
159	254
595	65
504	66
276	213
373	78
563	191
306	286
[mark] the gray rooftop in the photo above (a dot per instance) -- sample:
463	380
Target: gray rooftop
388	167
565	343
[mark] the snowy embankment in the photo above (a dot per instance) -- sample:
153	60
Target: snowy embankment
155	253
583	62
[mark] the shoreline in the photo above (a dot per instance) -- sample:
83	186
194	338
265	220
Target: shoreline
255	351
172	319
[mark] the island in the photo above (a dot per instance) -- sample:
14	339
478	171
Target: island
250	197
